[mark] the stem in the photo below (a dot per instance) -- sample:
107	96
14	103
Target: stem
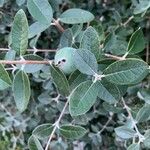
140	136
125	23
106	124
32	50
24	62
114	57
58	25
56	125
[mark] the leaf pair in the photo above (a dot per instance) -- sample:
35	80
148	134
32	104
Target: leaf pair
44	131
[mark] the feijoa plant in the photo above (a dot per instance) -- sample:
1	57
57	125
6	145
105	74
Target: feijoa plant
89	69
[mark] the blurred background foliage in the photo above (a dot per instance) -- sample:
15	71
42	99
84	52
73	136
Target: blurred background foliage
44	107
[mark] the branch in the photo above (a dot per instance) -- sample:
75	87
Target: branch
58	25
56	124
140	136
114	57
24	62
125	23
32	50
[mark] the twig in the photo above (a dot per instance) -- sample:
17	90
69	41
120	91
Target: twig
56	124
140	136
147	53
125	23
32	50
106	124
24	62
114	57
58	25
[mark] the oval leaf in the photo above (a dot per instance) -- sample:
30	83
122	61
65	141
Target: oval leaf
36	28
41	11
129	71
124	132
72	132
85	61
43	131
143	114
60	80
83	97
5	80
19	33
108	92
75	16
34	144
21	89
90	41
137	42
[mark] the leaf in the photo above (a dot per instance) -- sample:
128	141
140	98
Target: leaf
36	28
141	7
129	71
134	146
5	80
76	78
60	80
66	39
20	2
34	144
76	29
32	68
143	114
146	141
2	3
90	41
72	132
114	44
82	98
85	61
124	132
19	33
144	94
137	42
43	131
108	92
21	90
42	12
76	16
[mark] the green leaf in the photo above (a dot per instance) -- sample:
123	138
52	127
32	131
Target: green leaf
76	78
137	42
90	41
76	16
124	132
2	3
85	61
34	144
108	92
83	97
143	114
43	131
19	33
114	44
21	90
32	68
76	29
66	39
36	28
60	80
129	71
42	12
144	94
141	7
146	142
134	146
20	2
72	132
5	80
